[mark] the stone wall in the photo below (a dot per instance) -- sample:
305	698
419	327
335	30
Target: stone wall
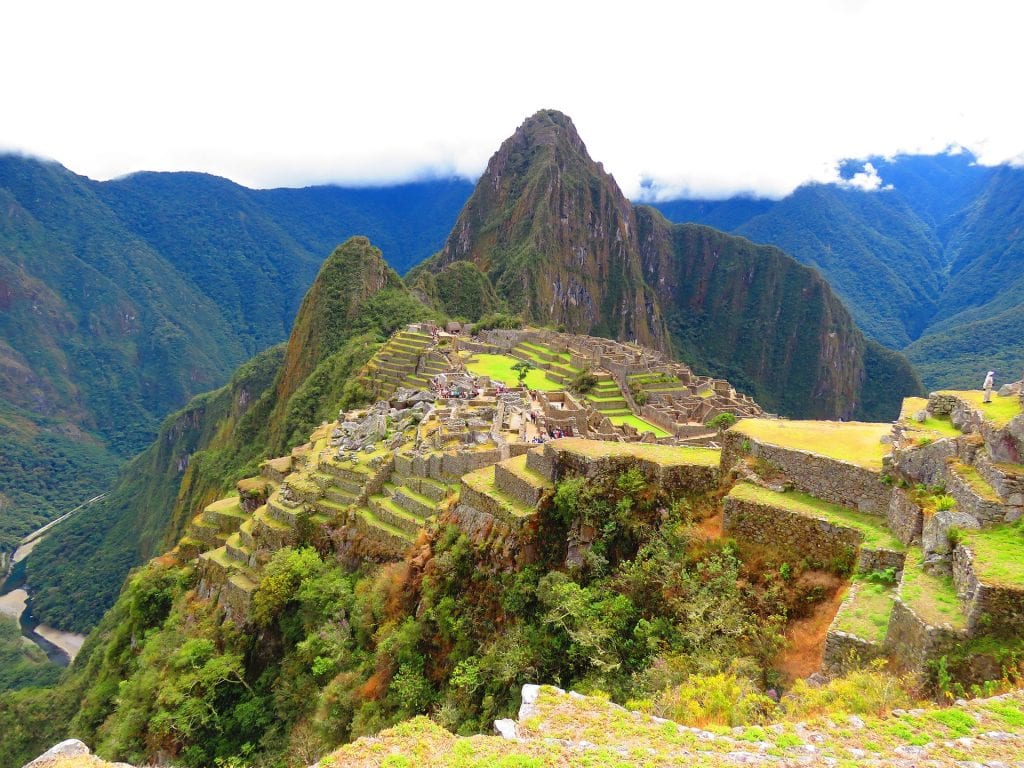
926	464
1004	444
845	652
906	517
990	608
970	502
912	643
792	534
877	559
829	479
682	479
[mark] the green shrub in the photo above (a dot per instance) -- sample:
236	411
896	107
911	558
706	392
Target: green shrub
722	421
869	691
720	699
583	382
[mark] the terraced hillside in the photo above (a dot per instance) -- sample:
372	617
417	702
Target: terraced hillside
924	515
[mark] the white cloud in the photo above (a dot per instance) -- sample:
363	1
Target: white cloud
708	98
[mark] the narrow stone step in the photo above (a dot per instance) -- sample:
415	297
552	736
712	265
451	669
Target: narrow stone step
389	512
414	503
432	489
245	534
338	495
329	509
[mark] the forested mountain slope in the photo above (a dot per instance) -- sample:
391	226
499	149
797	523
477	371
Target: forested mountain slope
931	262
119	300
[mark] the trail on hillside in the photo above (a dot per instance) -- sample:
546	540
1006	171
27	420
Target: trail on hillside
805	637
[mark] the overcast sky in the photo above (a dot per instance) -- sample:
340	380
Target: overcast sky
701	98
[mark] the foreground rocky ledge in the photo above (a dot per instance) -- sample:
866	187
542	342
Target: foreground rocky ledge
555	728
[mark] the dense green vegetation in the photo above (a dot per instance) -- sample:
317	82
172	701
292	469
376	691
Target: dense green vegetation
44	473
336	654
22	664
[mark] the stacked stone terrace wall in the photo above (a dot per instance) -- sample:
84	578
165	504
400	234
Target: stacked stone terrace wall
791	533
1004	443
906	517
845	652
912	643
829	479
674	479
990	608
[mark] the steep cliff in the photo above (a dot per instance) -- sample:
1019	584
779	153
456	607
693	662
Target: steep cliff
555	235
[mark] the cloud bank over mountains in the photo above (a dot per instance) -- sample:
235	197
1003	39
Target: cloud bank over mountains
702	100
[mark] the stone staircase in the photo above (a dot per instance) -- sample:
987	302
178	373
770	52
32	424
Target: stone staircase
606	396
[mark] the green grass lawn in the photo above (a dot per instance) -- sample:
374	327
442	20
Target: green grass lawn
499	368
933	598
1000	411
932	426
666	455
638	423
997	554
866	612
873	528
850	441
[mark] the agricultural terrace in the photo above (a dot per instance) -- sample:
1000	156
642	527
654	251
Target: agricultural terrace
871	527
854	442
1000	411
930	596
865	613
499	368
665	455
637	423
997	554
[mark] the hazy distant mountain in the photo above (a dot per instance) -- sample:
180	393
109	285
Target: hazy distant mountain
932	262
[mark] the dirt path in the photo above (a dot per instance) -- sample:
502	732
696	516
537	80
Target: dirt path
806	639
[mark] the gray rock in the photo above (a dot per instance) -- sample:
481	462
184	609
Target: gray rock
506	729
935	537
67	748
528	708
921	416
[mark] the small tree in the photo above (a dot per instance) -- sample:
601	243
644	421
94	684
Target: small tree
722	421
522	368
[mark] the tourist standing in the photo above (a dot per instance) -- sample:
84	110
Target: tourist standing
987	386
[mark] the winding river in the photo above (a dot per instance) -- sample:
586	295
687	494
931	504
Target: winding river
60	647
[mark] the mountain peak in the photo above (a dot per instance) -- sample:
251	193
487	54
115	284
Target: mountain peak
547	127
